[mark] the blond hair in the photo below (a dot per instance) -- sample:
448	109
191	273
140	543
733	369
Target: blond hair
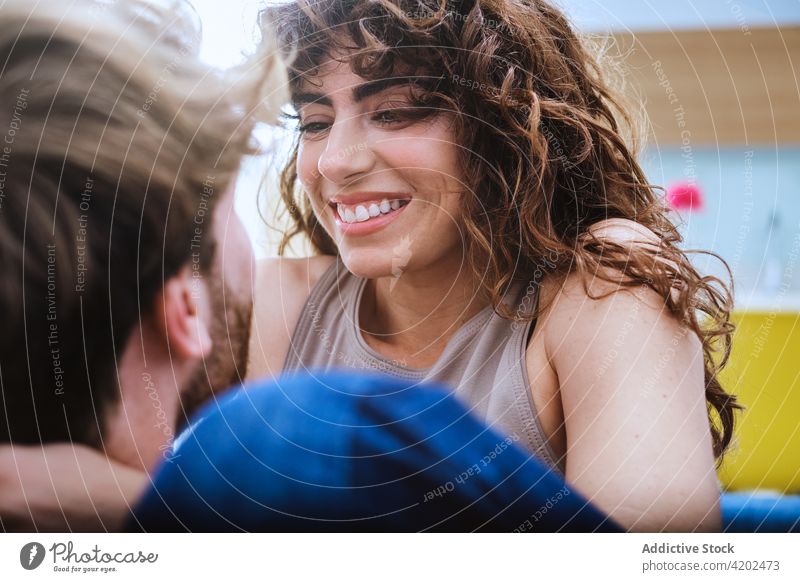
116	138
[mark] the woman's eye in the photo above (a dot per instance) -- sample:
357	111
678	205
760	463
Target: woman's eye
391	115
388	116
313	127
402	113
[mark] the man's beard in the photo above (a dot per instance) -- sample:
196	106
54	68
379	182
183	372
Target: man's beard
226	365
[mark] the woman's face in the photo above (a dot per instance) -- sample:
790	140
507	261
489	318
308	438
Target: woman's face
386	187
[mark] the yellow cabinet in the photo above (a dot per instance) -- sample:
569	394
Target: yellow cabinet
764	372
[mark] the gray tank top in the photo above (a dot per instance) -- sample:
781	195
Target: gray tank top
483	363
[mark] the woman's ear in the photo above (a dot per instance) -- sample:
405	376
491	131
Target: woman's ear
181	314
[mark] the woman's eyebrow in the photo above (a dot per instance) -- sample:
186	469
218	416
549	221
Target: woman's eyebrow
363	91
370	88
300	99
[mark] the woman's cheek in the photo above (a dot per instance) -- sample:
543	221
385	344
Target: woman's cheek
307	164
308	177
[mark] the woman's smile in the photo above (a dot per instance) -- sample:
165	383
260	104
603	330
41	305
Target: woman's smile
365	212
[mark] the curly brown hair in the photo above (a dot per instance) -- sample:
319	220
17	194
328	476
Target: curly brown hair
544	145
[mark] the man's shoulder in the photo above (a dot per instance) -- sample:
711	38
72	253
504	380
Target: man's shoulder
309	388
294	404
273	444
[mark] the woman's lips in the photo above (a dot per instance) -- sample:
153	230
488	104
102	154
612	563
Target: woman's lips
371	225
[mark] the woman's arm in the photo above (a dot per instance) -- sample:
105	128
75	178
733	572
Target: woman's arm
62	487
631	381
282	288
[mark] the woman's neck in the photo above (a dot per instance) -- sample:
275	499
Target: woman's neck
411	317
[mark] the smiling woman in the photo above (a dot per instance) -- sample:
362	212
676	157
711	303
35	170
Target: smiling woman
479	220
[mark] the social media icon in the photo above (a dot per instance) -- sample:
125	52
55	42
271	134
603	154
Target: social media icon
31	555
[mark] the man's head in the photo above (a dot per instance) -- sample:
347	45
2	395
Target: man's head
230	296
121	253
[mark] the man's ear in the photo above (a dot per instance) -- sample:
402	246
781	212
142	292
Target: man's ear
182	316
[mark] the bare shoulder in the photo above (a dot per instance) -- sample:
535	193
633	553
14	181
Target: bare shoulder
585	308
569	317
281	290
630	378
580	302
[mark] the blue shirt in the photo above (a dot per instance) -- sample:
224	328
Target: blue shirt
340	451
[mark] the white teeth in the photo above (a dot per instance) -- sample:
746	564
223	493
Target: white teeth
361	213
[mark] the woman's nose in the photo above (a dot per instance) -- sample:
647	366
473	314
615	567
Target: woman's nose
347	155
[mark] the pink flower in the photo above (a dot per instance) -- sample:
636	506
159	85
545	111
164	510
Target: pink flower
685	196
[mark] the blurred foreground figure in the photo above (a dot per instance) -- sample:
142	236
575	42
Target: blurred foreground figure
126	291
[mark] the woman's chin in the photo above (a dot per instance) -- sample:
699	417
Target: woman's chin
370	263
